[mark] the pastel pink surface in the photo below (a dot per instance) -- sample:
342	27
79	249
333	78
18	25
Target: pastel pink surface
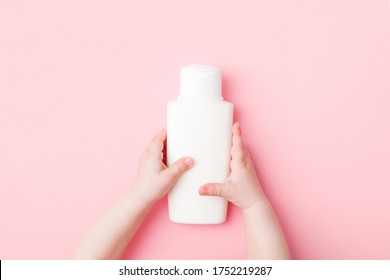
84	86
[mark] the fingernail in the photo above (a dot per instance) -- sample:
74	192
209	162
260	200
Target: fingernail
188	162
238	128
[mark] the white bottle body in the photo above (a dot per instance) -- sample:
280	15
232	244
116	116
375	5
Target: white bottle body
201	129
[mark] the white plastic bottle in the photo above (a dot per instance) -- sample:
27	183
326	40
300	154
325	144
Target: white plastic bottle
199	126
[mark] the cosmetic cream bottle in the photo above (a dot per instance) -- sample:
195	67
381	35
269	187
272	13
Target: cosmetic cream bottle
199	124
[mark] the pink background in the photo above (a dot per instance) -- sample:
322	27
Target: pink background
84	86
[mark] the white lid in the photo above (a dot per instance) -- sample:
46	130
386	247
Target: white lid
200	81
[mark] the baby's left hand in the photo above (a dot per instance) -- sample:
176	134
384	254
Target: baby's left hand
154	178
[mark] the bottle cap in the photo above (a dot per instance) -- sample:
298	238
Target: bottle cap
200	81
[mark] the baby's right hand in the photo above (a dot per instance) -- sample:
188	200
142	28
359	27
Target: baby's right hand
242	187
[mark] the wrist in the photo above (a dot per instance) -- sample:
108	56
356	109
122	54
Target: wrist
253	195
138	194
260	204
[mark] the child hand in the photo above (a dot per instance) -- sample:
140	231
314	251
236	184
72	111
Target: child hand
154	178
242	187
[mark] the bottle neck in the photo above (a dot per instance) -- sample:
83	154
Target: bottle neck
202	98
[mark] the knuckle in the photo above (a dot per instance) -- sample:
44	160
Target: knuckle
180	168
216	191
177	169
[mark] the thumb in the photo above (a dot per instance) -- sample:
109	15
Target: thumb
176	169
213	189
